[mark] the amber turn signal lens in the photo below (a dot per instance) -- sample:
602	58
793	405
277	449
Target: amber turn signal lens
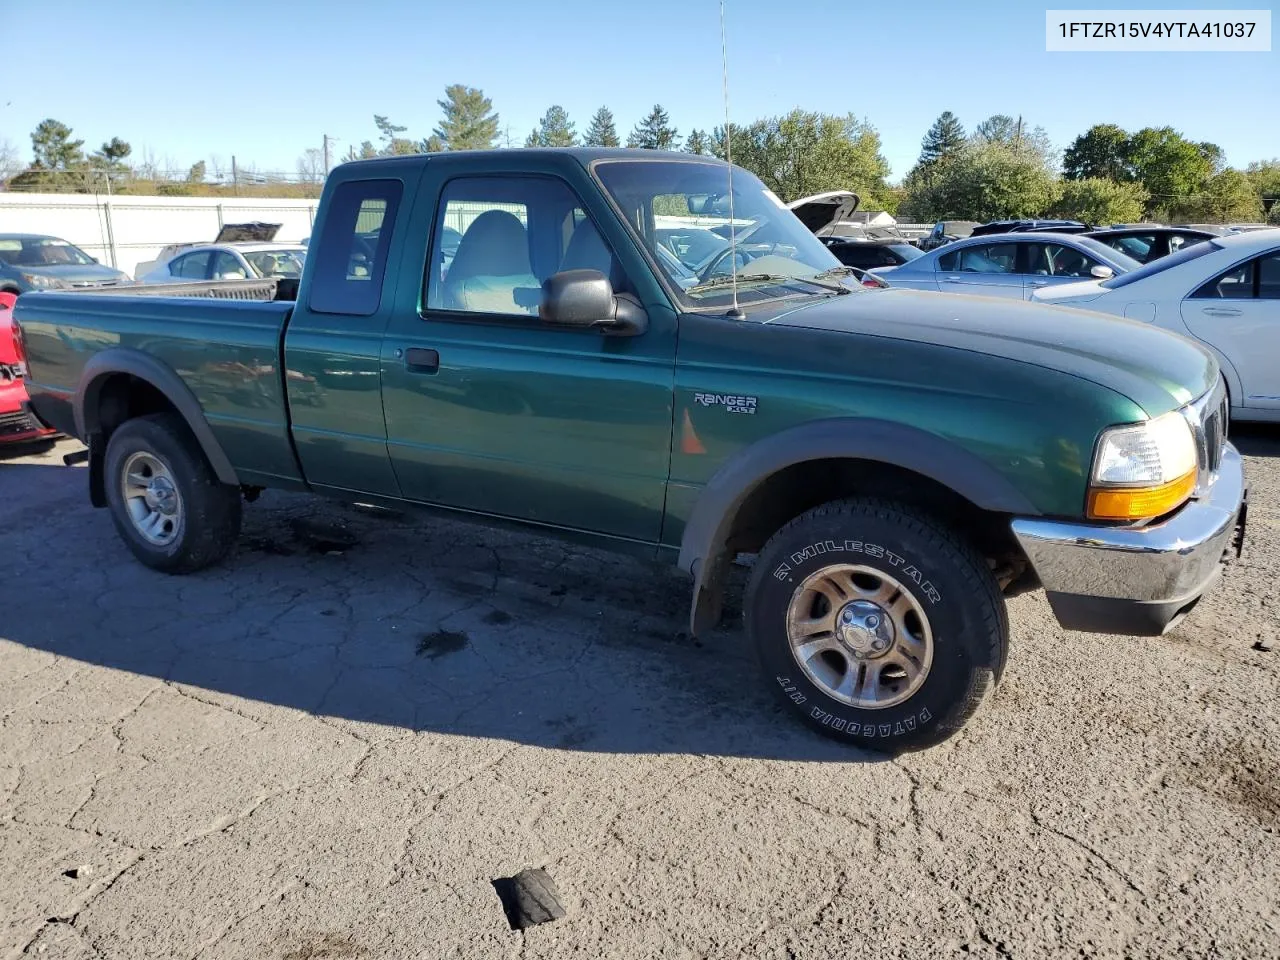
1140	503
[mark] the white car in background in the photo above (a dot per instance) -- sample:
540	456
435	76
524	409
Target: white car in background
1224	292
229	261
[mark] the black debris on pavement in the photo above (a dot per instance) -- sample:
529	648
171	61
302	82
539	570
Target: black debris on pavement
529	898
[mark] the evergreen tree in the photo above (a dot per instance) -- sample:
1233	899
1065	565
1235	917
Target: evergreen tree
469	121
602	132
553	130
944	138
698	142
655	132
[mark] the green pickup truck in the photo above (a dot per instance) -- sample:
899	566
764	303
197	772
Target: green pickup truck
650	352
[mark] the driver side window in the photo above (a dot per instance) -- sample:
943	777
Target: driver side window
498	238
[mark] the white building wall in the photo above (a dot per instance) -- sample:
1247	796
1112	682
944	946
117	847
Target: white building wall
125	231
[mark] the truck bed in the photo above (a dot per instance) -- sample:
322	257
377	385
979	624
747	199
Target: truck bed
227	351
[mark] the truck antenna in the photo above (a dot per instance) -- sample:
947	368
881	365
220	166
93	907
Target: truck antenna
735	311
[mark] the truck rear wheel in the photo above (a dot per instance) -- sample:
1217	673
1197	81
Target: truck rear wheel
877	625
165	500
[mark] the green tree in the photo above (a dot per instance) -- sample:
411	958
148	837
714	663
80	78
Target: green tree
1004	129
553	130
1097	200
1101	151
1167	164
697	142
601	132
805	152
1228	197
469	121
655	132
986	180
432	144
197	172
944	138
1265	177
393	145
53	147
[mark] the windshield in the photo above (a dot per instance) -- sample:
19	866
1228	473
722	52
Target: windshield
907	252
680	210
277	263
1108	254
1164	263
41	252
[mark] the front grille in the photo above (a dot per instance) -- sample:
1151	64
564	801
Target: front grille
1208	419
87	284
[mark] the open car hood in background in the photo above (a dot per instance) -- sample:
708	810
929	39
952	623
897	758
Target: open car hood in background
821	212
247	232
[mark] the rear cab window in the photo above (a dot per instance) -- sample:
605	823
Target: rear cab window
351	257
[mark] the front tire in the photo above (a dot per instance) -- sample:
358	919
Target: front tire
878	626
165	500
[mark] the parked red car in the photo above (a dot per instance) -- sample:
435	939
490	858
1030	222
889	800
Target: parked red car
16	425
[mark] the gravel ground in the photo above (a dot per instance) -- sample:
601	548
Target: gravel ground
329	749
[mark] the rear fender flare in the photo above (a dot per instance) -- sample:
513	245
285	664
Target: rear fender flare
705	540
124	360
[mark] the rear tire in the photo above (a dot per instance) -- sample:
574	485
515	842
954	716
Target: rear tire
165	500
876	624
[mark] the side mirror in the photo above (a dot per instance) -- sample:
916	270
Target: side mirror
585	298
1099	272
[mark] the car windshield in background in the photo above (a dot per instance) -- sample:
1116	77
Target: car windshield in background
1164	263
41	252
680	211
1108	254
907	252
277	263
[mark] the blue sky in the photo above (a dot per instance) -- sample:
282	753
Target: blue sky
187	81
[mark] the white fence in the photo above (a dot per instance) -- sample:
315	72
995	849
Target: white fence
124	231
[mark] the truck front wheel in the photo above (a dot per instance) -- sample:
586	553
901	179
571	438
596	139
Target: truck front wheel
877	625
165	500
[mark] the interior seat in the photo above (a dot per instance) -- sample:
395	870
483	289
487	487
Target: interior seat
491	265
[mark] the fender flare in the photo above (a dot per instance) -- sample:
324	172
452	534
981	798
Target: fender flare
703	544
125	360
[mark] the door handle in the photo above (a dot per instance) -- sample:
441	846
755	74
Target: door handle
1221	311
422	360
953	278
1039	283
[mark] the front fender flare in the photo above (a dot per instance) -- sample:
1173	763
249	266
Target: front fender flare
704	542
125	360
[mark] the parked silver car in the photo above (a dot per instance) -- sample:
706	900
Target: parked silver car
1008	264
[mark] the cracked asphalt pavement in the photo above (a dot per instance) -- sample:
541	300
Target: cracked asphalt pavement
329	746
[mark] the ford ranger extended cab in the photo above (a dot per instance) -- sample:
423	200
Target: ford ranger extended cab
891	464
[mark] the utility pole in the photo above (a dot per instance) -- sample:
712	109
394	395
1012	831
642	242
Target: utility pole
1017	136
235	177
326	155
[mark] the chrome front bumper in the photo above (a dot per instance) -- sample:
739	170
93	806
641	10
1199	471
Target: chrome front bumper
1138	580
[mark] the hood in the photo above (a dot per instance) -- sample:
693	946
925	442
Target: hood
1155	369
1080	292
251	232
821	212
75	272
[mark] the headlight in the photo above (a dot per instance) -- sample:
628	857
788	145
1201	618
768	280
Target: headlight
1144	470
41	282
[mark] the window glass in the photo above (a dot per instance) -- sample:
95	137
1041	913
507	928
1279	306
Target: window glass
351	255
194	266
1057	260
1235	284
989	258
771	252
1269	277
1161	264
227	267
498	238
1137	246
277	263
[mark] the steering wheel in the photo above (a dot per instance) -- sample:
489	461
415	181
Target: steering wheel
718	259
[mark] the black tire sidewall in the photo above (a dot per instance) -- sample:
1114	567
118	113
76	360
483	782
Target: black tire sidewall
941	578
164	438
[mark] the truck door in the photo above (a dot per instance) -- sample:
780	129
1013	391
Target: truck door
488	409
333	344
